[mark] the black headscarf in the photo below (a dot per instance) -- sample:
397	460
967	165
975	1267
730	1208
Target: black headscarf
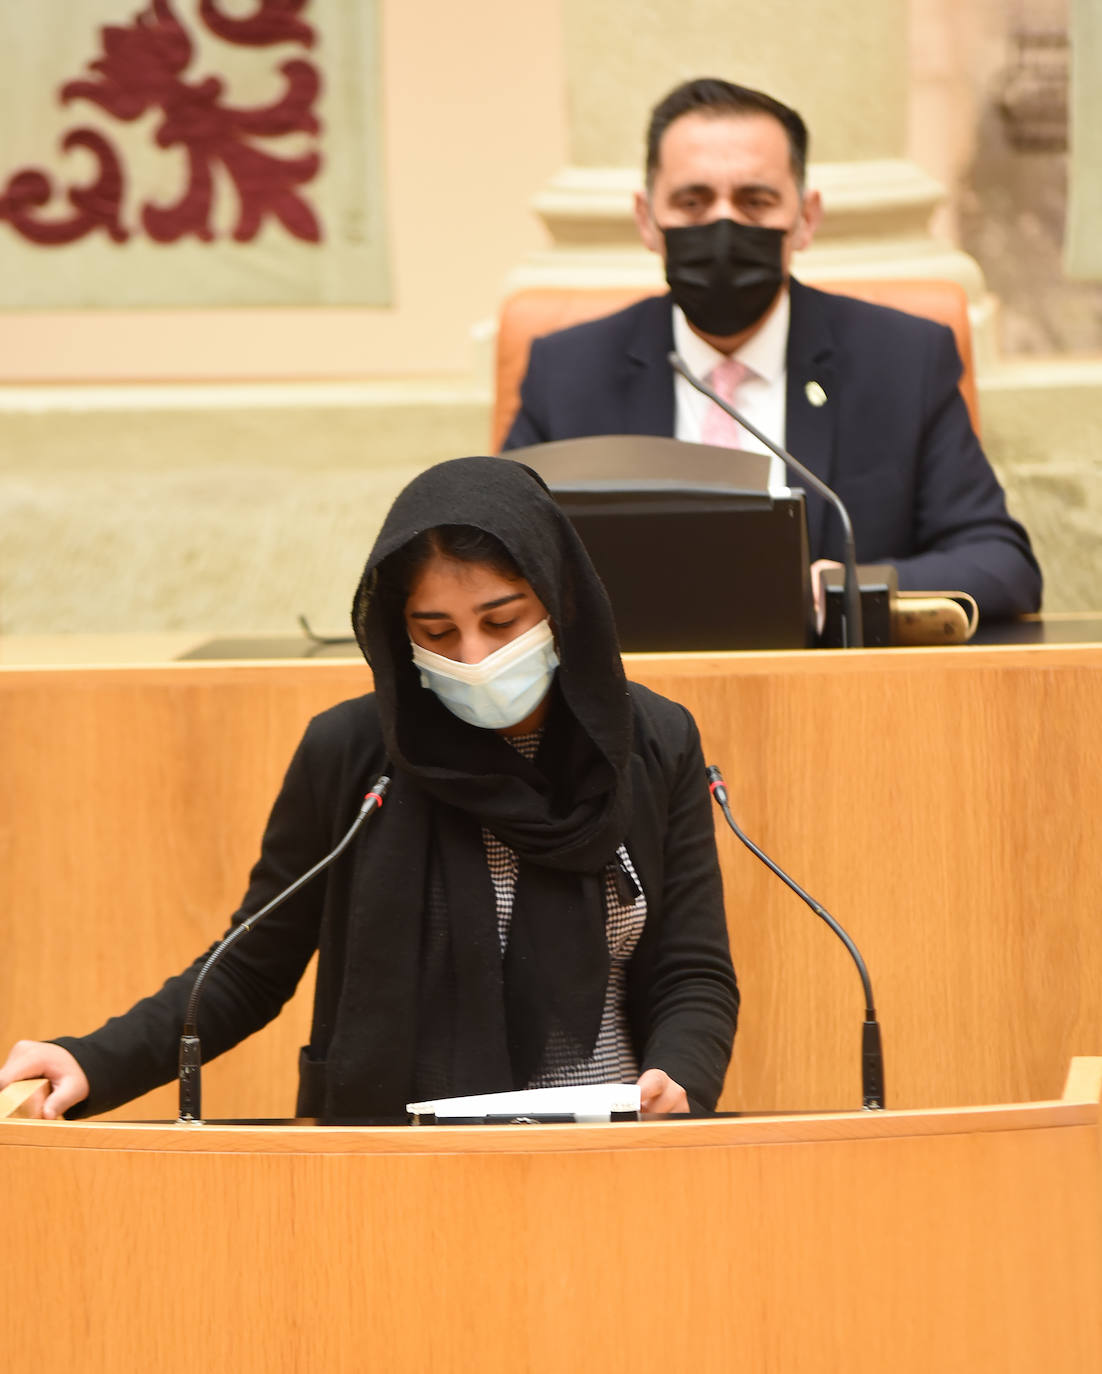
477	1024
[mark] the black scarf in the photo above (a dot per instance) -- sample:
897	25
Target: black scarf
436	1005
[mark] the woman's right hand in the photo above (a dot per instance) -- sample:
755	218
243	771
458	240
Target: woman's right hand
40	1059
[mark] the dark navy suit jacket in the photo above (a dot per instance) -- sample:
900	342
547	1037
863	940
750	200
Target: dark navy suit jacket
893	439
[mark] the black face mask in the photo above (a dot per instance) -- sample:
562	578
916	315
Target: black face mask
724	275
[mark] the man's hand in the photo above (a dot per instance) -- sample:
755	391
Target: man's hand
817	569
659	1094
39	1059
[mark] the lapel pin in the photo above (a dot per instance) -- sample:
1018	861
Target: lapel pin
815	394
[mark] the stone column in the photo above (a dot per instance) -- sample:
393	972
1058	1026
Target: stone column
842	65
1083	248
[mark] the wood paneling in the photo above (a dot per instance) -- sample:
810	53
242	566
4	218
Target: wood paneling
961	1240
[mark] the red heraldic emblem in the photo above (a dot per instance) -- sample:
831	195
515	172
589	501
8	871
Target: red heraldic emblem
142	69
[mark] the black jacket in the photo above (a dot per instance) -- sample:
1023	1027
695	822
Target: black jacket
682	996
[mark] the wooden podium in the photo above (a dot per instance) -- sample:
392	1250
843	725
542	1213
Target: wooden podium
951	1240
933	800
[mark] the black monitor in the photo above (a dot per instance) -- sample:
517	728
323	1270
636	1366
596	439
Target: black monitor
695	552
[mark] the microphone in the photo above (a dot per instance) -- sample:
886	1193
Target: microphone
872	1056
852	632
190	1053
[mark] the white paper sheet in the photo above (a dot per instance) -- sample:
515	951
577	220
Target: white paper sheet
584	1101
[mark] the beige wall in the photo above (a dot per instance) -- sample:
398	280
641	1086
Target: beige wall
231	508
473	97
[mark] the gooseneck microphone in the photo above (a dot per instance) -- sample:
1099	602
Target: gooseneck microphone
872	1055
190	1053
853	636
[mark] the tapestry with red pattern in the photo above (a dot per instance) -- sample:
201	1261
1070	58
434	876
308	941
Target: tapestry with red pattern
143	68
141	131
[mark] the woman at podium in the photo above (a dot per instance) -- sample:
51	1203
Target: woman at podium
537	903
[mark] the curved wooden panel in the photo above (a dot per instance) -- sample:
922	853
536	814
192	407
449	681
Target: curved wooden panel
950	1241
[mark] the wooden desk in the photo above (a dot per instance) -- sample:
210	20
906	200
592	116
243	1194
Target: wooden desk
941	804
954	1241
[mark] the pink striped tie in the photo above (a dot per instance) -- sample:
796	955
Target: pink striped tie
718	428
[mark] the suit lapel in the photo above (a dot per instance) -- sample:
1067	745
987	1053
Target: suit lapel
811	403
646	382
646	394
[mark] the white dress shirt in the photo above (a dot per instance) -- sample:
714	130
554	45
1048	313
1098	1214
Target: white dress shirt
761	397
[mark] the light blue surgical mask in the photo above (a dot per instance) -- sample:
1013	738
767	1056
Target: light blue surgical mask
502	688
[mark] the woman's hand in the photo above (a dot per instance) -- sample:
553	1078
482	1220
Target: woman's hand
659	1094
39	1059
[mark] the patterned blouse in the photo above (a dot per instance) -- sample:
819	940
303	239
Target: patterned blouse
613	1058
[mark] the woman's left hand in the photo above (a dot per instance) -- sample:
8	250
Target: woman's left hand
659	1094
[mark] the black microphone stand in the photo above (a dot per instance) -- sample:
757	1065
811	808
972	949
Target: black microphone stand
853	635
872	1054
190	1052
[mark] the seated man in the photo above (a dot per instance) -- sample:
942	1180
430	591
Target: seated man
865	396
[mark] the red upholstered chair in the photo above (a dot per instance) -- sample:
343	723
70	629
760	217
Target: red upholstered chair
541	310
